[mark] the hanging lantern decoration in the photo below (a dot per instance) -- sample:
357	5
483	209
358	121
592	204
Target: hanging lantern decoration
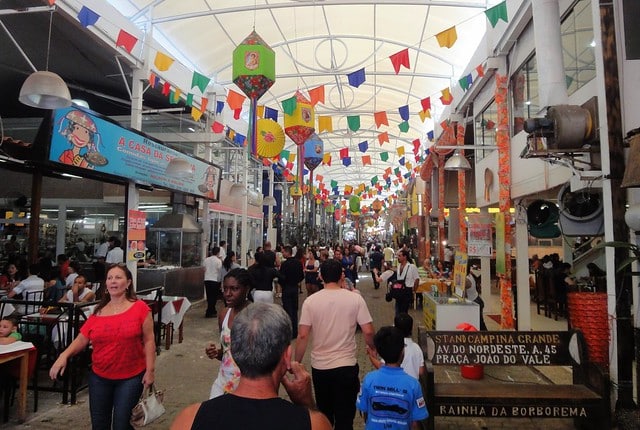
295	191
254	72
354	205
376	205
269	137
313	152
299	126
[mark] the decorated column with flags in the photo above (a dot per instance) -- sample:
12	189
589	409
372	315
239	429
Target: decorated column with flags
313	152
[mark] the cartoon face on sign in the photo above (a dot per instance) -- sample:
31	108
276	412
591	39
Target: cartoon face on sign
209	185
81	132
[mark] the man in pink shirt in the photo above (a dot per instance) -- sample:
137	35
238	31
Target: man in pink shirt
331	315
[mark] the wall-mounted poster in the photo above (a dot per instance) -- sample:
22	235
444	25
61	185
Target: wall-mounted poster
86	140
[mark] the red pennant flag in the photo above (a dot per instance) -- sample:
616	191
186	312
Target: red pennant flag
166	89
266	162
203	104
366	160
400	59
344	152
317	95
381	118
217	127
126	40
236	113
480	70
446	98
52	2
319	178
426	103
383	137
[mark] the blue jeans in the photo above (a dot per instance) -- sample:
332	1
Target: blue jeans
112	400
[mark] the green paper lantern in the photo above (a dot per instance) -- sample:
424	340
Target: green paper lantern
254	66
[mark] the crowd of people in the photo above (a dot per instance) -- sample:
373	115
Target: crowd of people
331	314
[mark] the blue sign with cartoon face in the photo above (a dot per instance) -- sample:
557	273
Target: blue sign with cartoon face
85	140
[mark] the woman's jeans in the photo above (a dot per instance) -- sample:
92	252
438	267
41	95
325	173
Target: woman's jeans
113	398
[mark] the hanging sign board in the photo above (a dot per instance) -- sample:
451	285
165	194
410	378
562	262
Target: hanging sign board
459	273
136	235
86	140
479	239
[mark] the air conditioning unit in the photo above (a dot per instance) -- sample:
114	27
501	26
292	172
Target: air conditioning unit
581	212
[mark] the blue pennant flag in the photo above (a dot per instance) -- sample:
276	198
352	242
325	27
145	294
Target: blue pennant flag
404	112
430	135
363	146
239	139
219	106
346	161
356	78
87	17
271	113
401	161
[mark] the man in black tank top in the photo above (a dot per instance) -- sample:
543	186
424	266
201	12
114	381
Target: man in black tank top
260	344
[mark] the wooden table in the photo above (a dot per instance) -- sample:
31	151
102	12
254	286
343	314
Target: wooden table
23	356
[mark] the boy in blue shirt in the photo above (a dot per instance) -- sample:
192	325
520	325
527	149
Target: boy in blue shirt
389	397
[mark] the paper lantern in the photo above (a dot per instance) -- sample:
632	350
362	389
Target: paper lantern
270	138
299	126
254	66
313	151
295	191
354	204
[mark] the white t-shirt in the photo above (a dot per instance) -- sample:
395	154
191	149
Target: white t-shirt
333	315
413	359
410	276
116	255
212	268
69	280
102	250
82	295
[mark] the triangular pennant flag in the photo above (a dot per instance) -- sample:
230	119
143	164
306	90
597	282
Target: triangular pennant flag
189	101
430	135
346	161
463	83
200	81
424	114
363	146
446	98
153	79
344	152
284	154
354	122
126	40
235	100
196	113
166	89
334	183
384	156
404	112
381	118
356	78
426	103
162	61
203	103
401	161
400	150
374	180
87	17
317	95
289	105
447	38
320	178
400	59
174	97
366	160
217	127
325	124
404	126
52	2
219	106
416	145
239	139
496	13
480	70
271	113
260	111
326	159
236	113
383	137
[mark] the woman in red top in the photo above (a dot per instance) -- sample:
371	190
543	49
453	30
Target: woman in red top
10	277
124	352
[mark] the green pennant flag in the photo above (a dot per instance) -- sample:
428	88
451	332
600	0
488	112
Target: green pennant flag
496	13
569	80
404	126
334	183
374	180
384	156
396	171
284	155
289	105
199	81
464	83
354	122
172	98
189	101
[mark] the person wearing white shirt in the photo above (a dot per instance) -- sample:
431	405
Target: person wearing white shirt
115	254
103	249
32	283
213	281
223	250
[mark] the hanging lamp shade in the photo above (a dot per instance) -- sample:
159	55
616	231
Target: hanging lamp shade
45	90
299	126
270	138
254	66
457	162
313	151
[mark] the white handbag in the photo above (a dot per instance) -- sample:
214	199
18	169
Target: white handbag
149	408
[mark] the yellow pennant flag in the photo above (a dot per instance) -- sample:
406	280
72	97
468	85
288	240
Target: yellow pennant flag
424	114
408	165
447	38
400	151
260	111
325	124
162	61
196	113
326	159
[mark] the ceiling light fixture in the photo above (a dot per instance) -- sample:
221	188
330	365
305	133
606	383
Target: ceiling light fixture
457	162
44	89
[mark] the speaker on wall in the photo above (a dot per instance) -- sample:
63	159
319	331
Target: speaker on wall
542	219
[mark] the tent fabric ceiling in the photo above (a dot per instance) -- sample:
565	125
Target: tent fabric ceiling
316	43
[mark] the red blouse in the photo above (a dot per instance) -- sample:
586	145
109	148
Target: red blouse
118	347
